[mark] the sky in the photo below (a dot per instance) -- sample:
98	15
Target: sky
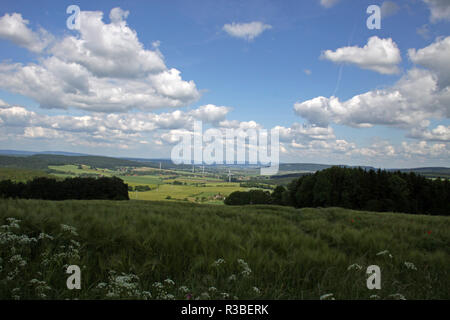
137	74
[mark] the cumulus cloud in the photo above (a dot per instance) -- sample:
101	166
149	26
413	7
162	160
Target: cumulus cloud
435	57
104	68
380	55
439	9
127	123
14	28
425	149
247	31
328	3
413	100
417	97
440	133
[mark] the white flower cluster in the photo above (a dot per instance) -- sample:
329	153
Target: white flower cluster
385	252
16	250
69	229
40	287
246	269
123	286
218	262
354	266
397	296
328	296
410	265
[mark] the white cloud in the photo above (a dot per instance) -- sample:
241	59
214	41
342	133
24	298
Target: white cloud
440	133
439	9
423	148
413	100
39	132
380	55
105	68
247	31
118	123
389	8
328	3
210	113
435	57
417	97
300	132
14	28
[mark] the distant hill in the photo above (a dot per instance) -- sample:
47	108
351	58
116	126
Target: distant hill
42	161
30	153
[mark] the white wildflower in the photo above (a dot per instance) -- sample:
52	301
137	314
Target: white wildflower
354	266
218	262
397	296
410	265
328	296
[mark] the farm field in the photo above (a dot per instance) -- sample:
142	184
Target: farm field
193	187
175	250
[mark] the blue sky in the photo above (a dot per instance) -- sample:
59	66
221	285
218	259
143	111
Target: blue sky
258	64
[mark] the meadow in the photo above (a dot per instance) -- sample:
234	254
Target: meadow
194	187
181	250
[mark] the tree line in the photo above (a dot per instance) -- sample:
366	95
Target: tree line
106	188
359	189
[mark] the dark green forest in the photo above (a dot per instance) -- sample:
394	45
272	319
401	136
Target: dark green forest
359	189
105	188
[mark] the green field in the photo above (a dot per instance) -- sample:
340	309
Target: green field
21	175
196	187
134	249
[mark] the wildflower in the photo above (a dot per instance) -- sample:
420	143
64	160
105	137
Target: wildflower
256	290
212	289
354	266
410	265
232	277
158	285
397	296
218	262
169	282
188	296
184	289
327	296
246	269
43	235
225	295
205	295
69	229
382	253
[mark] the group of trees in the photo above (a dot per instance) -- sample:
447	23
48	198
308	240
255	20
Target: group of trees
108	188
248	197
360	189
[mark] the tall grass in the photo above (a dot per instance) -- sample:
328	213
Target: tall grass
170	250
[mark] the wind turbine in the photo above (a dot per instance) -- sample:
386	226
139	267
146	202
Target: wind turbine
229	175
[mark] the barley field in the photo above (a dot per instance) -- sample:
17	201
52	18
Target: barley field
180	250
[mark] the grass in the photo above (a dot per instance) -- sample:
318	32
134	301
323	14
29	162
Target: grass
161	185
134	249
21	175
189	192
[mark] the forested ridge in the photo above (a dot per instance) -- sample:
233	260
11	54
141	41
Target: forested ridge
106	188
359	189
